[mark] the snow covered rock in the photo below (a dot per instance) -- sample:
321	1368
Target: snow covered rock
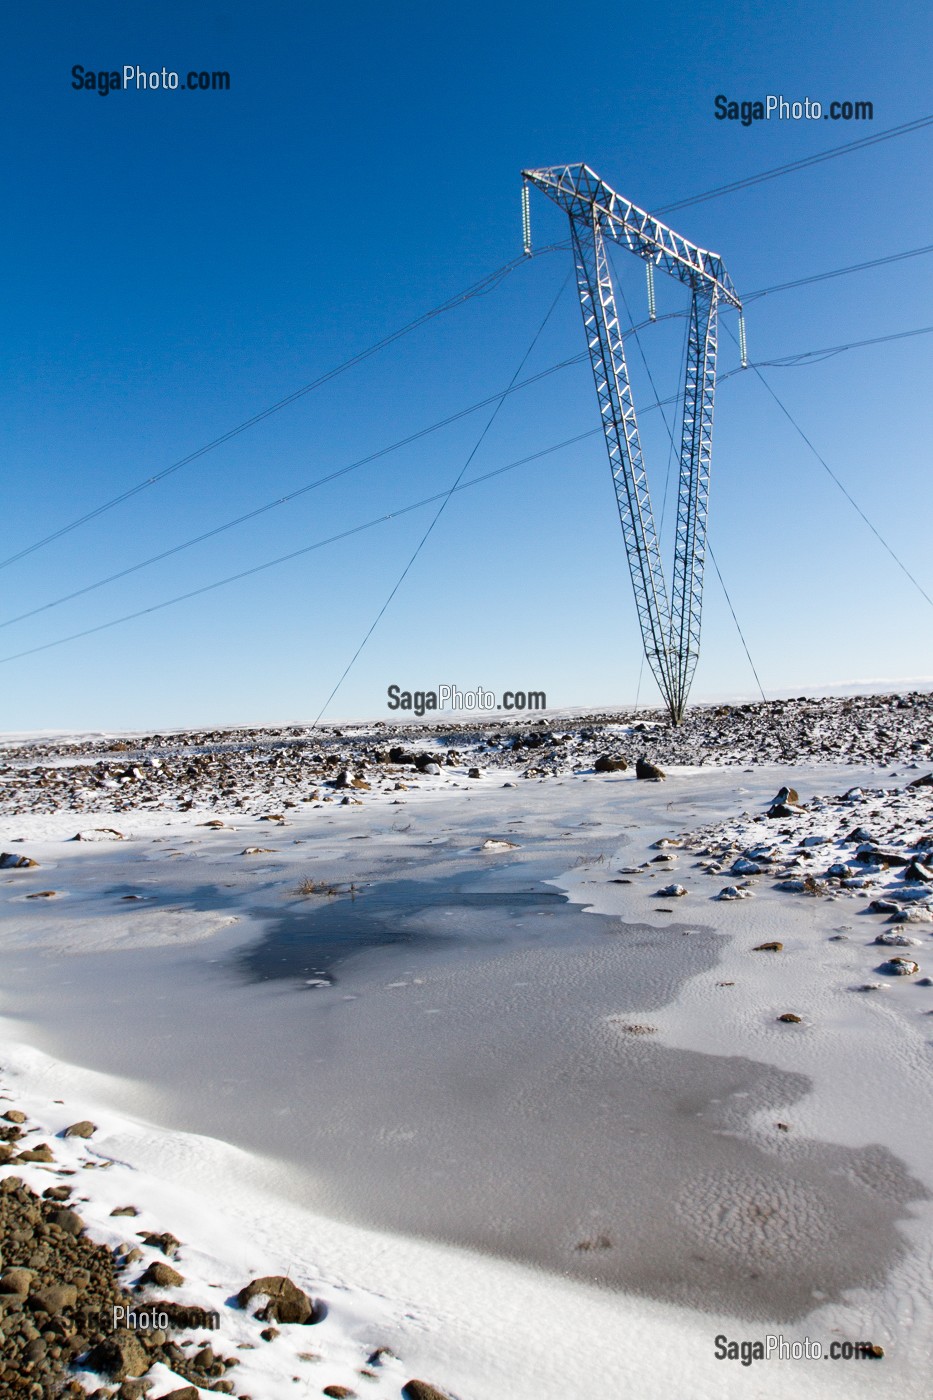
900	967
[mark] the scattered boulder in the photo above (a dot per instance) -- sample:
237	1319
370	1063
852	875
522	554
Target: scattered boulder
606	764
168	1244
497	844
16	1283
786	795
671	892
55	1298
69	1221
780	809
420	1390
883	906
734	892
925	781
790	1018
120	1355
40	1153
162	1275
286	1302
769	948
742	866
11	861
100	833
913	914
84	1129
899	967
649	772
872	855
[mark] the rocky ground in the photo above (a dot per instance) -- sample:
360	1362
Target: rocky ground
264	770
79	1317
869	847
872	846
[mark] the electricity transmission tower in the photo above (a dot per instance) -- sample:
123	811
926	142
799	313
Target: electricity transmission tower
670	629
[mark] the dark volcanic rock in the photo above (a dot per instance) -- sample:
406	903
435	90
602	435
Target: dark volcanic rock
606	764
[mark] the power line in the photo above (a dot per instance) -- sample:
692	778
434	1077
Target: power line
736	621
301	490
440	510
232	578
305	549
792	361
828	469
486	284
837	272
904	130
308	486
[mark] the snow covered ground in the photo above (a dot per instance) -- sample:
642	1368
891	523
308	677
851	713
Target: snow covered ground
533	1151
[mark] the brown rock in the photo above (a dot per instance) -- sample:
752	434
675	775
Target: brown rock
167	1242
648	771
133	1389
55	1298
69	1221
162	1275
791	1018
17	1282
286	1301
120	1355
420	1390
40	1153
9	861
605	764
769	948
84	1129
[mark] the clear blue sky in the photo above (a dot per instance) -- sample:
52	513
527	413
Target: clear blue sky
175	261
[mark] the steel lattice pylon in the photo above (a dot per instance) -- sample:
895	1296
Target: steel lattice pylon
670	629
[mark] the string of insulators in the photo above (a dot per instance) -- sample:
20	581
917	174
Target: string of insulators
652	311
743	345
526	220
